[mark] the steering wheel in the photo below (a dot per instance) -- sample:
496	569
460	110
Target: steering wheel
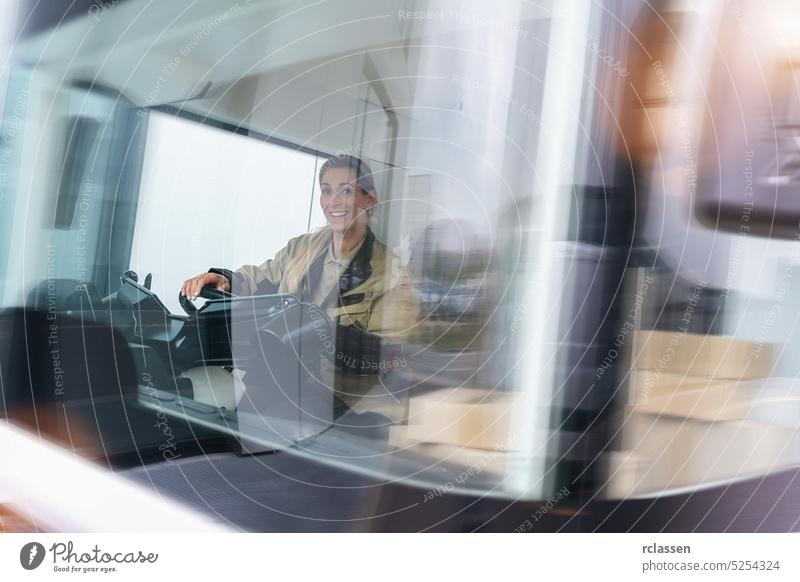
207	292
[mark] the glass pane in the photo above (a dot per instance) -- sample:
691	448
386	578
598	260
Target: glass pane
503	248
382	310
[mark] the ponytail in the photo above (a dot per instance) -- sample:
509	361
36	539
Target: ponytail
319	241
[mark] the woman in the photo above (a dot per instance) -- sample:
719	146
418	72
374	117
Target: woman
341	267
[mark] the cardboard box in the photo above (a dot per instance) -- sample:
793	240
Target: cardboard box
645	384
479	459
718	357
398	437
679	452
714	402
463	417
624	472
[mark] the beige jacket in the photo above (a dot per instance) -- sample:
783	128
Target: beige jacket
389	307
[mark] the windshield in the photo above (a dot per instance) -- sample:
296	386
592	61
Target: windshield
424	243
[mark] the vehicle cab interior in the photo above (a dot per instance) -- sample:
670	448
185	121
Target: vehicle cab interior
145	143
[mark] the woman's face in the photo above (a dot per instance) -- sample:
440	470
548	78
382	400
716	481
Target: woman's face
344	204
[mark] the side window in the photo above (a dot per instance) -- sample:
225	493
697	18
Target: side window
210	197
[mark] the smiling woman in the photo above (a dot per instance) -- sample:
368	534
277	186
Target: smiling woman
347	198
343	269
344	251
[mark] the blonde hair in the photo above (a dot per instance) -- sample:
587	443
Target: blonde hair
319	240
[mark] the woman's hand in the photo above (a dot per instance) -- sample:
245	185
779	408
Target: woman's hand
191	287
